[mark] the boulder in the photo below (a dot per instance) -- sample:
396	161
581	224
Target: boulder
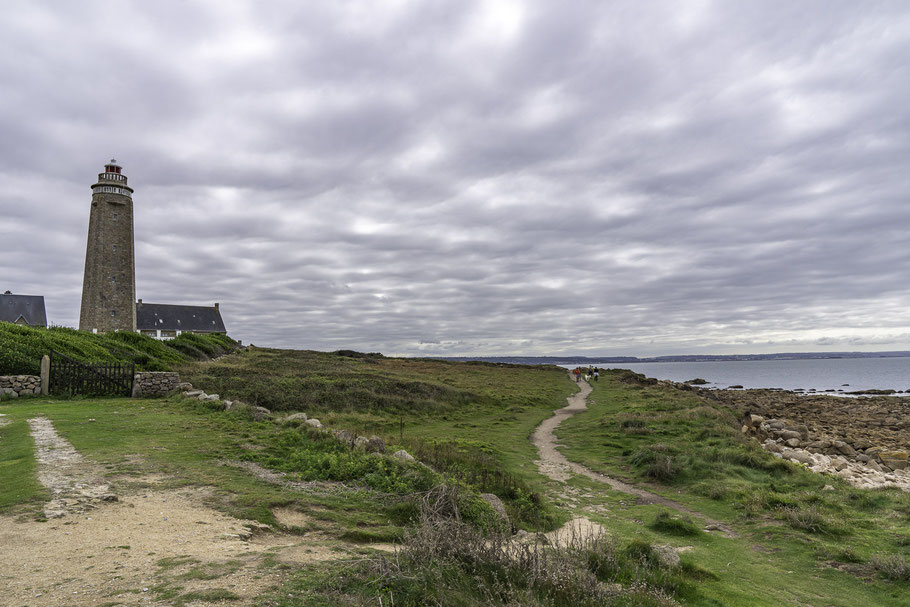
792	442
192	393
896	460
402	454
260	413
375	444
361	443
210	398
797	456
296	417
666	556
184	386
343	436
843	448
499	507
788	434
314	423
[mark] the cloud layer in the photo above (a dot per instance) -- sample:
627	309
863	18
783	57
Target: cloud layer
475	178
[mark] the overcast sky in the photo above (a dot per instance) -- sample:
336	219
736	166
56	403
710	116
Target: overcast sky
470	178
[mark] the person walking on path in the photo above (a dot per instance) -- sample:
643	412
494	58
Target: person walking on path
577	373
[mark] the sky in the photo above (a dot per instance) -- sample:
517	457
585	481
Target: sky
475	178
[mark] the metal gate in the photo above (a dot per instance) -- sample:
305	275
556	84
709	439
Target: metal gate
69	376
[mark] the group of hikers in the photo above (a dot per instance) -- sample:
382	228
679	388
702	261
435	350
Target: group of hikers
589	373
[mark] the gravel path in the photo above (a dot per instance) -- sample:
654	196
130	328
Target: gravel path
554	464
75	485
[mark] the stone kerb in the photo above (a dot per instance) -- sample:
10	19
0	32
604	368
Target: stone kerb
155	383
19	385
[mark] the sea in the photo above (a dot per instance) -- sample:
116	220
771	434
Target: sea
839	375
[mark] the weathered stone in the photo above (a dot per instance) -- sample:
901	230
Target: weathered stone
314	423
792	442
666	556
896	460
797	456
402	454
375	444
361	443
344	436
788	434
260	413
755	420
499	507
819	444
211	397
843	448
296	417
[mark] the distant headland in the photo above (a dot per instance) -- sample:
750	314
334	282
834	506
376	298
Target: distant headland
688	358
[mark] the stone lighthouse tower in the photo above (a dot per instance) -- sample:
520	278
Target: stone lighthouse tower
109	286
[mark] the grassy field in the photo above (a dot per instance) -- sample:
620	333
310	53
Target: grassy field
802	539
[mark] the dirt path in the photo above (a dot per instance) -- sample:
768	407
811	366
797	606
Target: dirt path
74	484
146	547
554	464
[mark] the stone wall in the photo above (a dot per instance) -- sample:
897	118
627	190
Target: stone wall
20	385
160	383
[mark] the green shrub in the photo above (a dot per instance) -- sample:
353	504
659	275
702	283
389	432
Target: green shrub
21	348
672	524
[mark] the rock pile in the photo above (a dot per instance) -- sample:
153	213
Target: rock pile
19	385
371	444
856	460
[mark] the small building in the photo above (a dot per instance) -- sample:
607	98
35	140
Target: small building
23	309
166	321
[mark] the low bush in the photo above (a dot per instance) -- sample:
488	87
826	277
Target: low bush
21	348
675	524
893	567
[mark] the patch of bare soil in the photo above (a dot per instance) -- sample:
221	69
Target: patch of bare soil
556	466
144	549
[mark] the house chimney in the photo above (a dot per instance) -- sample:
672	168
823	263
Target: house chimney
139	302
216	306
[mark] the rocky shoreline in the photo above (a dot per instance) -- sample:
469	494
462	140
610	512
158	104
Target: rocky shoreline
865	441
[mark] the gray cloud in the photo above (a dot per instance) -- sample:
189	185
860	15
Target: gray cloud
475	177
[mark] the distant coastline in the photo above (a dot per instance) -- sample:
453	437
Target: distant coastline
689	358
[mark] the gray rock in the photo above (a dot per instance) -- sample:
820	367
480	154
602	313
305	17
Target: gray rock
792	442
375	444
797	456
844	449
499	507
666	556
260	413
344	436
402	454
314	423
192	393
788	434
361	443
296	417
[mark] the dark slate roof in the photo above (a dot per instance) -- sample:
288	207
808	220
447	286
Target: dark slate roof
178	318
29	307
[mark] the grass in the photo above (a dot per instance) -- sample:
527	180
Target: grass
469	422
797	542
21	348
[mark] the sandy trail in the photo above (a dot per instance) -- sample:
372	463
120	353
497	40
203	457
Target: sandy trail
75	485
554	464
123	550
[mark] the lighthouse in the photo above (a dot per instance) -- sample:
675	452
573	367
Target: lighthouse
109	284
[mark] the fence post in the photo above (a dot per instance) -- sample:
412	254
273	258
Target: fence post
45	374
